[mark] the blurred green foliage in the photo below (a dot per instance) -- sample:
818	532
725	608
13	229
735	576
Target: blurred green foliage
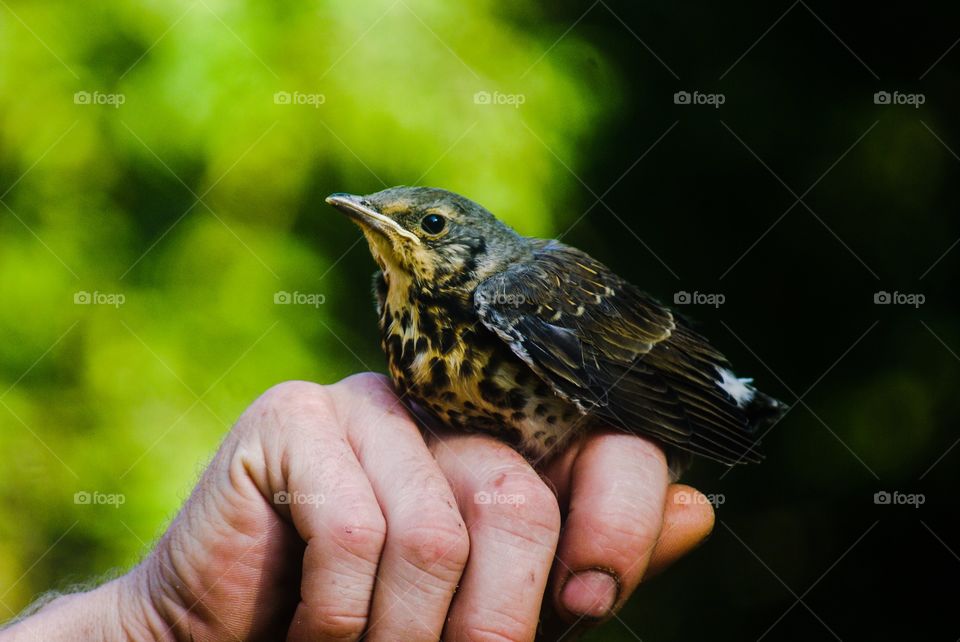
200	197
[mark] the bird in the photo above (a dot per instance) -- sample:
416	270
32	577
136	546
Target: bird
536	342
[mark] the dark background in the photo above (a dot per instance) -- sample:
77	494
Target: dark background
677	198
878	383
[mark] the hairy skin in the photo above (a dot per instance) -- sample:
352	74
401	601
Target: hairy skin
398	547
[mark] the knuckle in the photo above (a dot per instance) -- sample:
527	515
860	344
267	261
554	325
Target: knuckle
649	454
291	400
282	413
435	548
497	626
334	623
378	394
293	393
370	383
360	532
621	535
519	502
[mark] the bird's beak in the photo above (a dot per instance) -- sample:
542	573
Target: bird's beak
355	207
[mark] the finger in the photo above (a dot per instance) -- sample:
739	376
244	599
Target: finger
687	521
427	542
617	487
514	520
333	508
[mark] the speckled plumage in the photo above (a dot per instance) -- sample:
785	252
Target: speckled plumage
535	341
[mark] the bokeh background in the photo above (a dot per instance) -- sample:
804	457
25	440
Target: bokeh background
162	173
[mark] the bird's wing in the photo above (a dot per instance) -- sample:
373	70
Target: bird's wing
616	353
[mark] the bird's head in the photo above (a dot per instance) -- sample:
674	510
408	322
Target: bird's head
430	235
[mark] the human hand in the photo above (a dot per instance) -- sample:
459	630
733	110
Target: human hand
325	515
622	522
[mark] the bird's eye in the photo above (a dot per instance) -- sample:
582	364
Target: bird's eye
433	224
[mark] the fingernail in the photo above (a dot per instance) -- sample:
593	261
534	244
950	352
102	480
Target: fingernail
590	593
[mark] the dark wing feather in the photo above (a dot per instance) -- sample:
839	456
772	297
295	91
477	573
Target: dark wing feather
616	353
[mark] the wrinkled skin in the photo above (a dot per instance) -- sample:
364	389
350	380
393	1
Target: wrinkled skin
325	515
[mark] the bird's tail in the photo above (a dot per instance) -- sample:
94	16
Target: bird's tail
763	411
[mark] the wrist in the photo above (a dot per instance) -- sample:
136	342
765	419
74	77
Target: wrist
119	611
138	605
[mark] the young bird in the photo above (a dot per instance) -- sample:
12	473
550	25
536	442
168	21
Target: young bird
535	341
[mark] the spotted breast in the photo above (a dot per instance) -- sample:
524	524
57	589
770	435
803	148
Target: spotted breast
442	357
